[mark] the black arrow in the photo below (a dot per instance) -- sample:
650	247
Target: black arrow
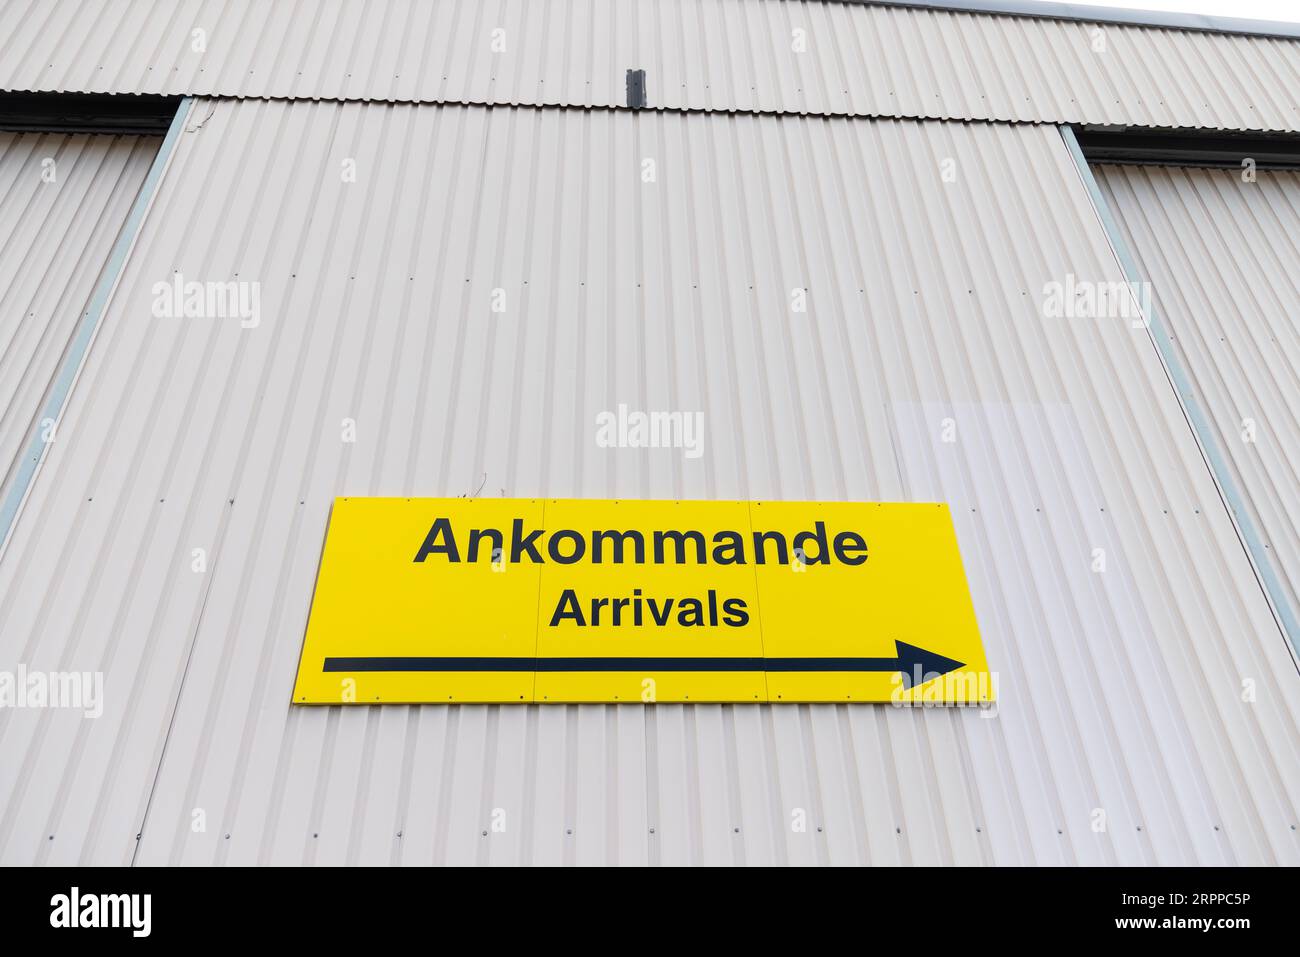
916	664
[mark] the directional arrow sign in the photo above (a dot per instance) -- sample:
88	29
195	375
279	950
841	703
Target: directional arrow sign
425	600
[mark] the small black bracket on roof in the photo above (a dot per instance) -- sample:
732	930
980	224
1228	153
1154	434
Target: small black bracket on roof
636	89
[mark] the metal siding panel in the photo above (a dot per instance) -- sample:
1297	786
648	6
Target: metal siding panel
924	305
55	239
1221	256
711	55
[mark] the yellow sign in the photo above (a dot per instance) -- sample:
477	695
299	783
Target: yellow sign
567	600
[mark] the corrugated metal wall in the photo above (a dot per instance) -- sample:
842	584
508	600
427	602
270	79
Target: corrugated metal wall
1222	253
786	56
1122	735
63	200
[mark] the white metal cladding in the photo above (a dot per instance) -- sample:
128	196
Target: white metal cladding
63	199
1222	254
1121	691
717	55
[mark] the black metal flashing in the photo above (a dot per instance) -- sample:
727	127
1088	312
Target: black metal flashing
145	114
1051	10
1189	148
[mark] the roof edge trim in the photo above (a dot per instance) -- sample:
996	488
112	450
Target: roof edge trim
140	114
1182	147
1053	10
